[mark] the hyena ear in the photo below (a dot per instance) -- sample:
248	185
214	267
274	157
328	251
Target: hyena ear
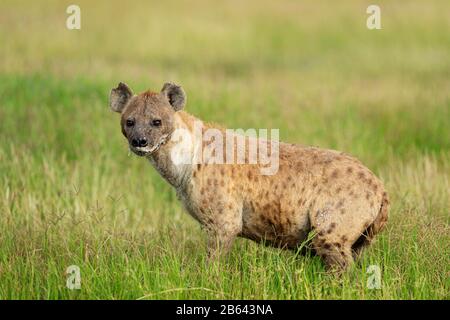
175	94
119	97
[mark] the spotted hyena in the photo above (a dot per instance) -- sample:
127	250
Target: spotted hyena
318	192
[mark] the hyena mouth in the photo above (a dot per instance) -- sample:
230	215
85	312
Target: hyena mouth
143	151
146	151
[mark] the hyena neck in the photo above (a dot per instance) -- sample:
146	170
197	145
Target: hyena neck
175	159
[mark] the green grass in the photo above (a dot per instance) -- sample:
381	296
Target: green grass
71	195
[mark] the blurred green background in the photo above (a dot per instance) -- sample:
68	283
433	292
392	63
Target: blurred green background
71	194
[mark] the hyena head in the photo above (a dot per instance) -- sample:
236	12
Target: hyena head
147	119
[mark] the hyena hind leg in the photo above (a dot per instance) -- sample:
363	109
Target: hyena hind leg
373	229
337	257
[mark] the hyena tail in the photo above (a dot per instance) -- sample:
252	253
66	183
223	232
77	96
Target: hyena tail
376	226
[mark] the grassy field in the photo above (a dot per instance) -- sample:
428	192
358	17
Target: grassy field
70	194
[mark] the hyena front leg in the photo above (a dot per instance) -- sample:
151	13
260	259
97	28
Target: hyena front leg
222	233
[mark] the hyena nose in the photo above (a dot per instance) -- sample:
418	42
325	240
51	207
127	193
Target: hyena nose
141	142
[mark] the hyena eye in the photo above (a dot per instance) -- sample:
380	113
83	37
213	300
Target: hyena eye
130	122
156	122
